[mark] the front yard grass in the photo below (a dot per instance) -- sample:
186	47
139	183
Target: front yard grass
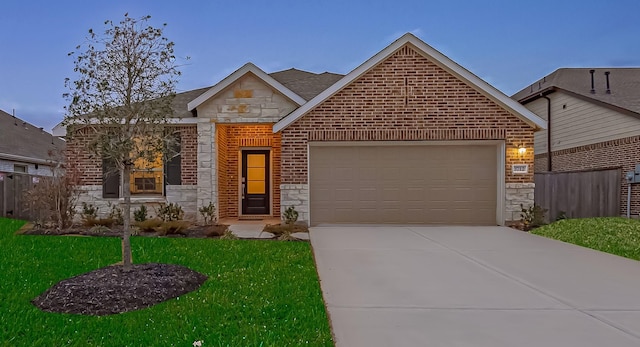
259	293
616	235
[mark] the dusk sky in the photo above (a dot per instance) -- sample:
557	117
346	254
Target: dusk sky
509	44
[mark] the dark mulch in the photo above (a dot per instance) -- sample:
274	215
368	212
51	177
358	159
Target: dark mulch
113	289
197	231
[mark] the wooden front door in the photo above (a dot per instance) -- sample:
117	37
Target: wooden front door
255	182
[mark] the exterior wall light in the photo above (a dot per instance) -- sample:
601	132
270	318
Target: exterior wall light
522	150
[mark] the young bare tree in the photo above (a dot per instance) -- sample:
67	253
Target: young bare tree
121	99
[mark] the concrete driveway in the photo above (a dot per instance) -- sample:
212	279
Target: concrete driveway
473	286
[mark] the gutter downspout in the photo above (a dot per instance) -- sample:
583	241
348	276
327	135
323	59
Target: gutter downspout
549	162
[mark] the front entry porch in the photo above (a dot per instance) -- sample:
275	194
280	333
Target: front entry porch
248	158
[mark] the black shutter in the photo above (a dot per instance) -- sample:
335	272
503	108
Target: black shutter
110	180
172	170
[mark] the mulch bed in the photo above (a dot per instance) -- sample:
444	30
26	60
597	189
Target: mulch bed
113	289
196	231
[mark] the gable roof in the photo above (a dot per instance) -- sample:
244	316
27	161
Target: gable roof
21	141
304	83
436	57
624	87
246	68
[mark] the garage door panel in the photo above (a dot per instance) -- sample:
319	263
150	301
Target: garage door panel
403	184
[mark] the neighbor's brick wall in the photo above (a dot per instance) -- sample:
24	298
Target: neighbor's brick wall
235	138
90	166
431	105
621	153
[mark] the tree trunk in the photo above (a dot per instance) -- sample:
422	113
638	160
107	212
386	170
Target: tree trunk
126	233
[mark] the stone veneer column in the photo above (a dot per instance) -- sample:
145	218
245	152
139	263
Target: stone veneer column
515	195
207	179
295	195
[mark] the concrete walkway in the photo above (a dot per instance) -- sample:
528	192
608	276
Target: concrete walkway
473	286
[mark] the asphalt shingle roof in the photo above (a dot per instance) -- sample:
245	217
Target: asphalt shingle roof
18	137
306	84
624	86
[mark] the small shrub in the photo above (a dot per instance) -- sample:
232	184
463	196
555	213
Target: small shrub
140	215
115	213
53	199
532	217
149	225
105	222
208	213
216	230
561	215
228	235
174	227
89	221
290	215
98	229
89	213
170	212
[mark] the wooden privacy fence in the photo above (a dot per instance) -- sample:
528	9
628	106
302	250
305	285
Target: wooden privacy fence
579	194
13	189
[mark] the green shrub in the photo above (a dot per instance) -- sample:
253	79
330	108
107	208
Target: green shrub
174	227
140	215
89	214
115	213
561	215
290	215
208	213
149	225
532	217
228	235
170	212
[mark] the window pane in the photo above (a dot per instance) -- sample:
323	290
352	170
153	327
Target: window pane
255	174
255	160
256	187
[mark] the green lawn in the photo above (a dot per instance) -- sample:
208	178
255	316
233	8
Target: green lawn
614	235
259	293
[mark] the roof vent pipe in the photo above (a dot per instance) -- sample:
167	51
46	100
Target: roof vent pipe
606	73
593	90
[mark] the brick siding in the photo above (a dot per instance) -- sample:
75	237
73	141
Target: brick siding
406	97
90	166
620	153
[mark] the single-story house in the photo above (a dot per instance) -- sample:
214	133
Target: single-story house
409	136
25	148
593	117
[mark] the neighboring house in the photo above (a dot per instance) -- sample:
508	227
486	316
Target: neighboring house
593	122
25	148
409	136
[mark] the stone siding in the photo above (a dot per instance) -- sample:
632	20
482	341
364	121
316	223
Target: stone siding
248	100
517	194
186	197
207	178
296	195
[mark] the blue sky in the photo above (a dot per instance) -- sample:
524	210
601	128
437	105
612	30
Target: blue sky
510	44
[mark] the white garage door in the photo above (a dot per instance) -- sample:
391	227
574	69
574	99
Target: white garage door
423	184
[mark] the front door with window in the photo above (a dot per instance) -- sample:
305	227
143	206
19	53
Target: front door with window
255	182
